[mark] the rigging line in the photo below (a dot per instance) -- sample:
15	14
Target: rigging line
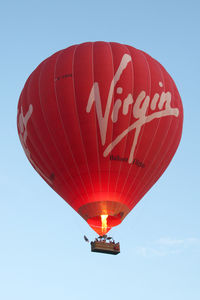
64	131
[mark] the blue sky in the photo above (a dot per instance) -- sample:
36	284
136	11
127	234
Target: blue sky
42	251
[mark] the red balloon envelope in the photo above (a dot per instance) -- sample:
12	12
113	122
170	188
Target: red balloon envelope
100	122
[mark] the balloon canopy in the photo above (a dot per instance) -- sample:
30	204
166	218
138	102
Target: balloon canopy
100	122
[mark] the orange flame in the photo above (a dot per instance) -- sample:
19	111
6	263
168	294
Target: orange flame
104	223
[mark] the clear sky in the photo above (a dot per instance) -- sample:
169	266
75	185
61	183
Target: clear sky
42	251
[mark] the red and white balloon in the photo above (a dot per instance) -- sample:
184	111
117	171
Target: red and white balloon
100	122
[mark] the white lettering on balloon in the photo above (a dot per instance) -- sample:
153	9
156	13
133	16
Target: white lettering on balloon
140	107
23	120
23	134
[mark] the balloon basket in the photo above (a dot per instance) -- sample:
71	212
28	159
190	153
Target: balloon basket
105	245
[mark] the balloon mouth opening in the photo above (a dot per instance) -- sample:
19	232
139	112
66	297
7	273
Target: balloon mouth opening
103	223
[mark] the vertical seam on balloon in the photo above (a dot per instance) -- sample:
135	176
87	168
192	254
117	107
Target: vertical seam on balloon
166	151
125	46
123	199
174	131
141	134
149	166
149	148
75	102
36	132
50	135
95	117
172	142
128	173
65	134
66	138
83	201
144	126
112	130
165	167
66	168
33	144
110	162
163	141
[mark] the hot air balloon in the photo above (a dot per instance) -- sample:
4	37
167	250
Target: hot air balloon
100	122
